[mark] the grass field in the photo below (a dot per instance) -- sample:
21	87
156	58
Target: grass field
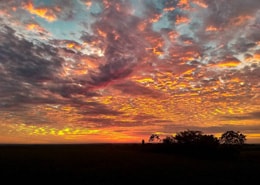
123	164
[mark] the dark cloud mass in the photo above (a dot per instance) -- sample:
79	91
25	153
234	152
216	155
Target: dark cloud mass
25	67
124	46
251	115
119	70
136	89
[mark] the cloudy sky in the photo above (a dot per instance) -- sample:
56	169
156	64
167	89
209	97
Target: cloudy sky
87	71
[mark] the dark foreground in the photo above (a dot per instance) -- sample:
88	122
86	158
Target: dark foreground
124	164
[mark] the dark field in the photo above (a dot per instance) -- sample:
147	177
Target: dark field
124	164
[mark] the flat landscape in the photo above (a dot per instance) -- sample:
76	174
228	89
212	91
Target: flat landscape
124	164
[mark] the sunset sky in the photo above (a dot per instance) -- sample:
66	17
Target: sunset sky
82	71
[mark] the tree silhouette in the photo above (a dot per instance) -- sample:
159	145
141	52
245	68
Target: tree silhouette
196	137
188	137
154	137
169	140
209	140
232	137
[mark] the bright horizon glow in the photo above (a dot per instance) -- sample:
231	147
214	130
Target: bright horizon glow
101	71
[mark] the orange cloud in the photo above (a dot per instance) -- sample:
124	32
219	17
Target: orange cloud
155	18
183	3
201	3
3	13
211	28
34	27
142	26
181	19
88	4
231	62
44	13
73	45
101	33
168	9
257	55
253	58
240	20
173	35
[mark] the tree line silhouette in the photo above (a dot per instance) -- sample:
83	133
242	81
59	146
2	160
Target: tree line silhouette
197	137
194	142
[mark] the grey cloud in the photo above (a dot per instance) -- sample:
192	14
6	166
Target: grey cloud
252	74
241	128
252	34
136	89
104	122
68	9
123	45
99	122
243	45
135	121
143	117
31	73
25	67
94	108
213	129
222	11
26	60
110	72
249	116
230	38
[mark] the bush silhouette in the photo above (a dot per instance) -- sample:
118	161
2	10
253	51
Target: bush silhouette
232	138
195	137
169	140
